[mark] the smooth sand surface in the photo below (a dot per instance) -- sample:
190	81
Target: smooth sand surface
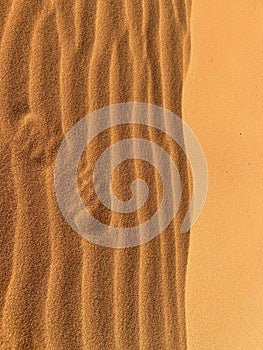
223	104
59	61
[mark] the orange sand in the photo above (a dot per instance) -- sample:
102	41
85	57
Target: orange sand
223	104
60	60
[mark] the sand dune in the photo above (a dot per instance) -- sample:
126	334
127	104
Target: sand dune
59	61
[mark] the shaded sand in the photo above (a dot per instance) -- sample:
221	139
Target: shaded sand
59	61
223	104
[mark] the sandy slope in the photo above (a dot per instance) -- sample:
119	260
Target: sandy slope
60	60
223	104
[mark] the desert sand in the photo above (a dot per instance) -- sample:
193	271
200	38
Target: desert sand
61	60
222	102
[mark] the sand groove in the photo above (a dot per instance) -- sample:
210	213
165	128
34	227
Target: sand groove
60	60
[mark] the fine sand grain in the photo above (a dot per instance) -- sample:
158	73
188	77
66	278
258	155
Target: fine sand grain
59	61
223	103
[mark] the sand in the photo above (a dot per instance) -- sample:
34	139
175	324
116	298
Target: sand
222	102
59	61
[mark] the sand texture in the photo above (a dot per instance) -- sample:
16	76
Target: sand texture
223	103
59	61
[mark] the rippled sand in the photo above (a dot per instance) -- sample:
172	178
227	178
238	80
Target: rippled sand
59	61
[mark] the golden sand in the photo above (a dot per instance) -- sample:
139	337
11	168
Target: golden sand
59	61
222	102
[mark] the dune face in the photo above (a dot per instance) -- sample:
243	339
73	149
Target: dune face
222	101
59	61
